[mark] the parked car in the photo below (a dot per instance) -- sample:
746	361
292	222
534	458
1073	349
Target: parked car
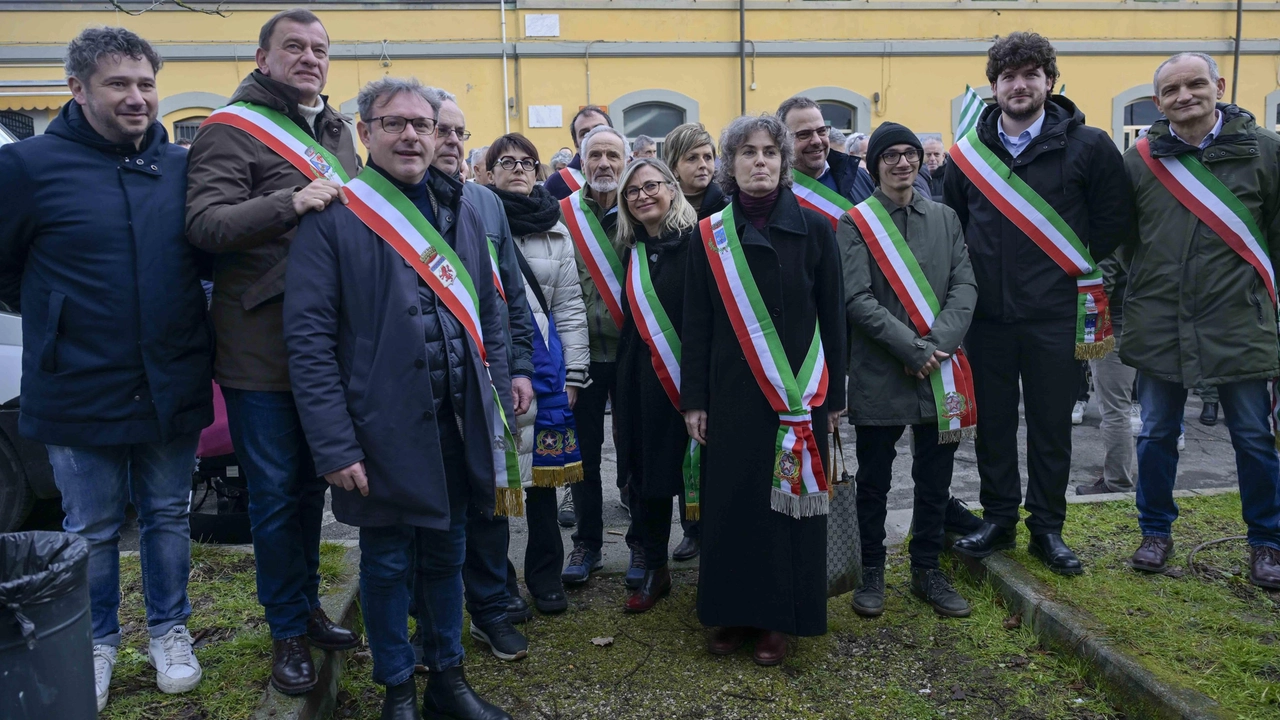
25	474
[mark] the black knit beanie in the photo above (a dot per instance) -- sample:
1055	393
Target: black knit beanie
885	137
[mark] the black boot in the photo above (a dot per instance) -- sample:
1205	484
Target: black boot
931	586
868	600
958	519
449	697
401	702
1209	414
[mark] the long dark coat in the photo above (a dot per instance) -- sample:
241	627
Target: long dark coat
761	568
651	432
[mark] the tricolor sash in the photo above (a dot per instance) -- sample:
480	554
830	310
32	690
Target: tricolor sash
799	481
813	194
282	135
953	382
1034	216
497	277
393	217
597	252
664	350
1213	203
572	178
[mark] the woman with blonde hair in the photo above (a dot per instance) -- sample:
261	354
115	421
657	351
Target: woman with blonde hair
660	228
691	154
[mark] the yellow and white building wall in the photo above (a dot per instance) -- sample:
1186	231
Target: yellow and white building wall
656	63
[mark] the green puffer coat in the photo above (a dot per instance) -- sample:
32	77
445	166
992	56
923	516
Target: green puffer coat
1195	312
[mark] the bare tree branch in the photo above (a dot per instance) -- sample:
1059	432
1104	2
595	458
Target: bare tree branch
158	3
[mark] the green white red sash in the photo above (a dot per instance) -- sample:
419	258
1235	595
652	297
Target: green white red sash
493	262
597	252
813	194
799	481
1034	216
953	382
394	218
1213	203
275	130
572	178
664	350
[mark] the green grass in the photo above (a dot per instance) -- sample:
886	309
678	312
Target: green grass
907	664
1207	629
233	643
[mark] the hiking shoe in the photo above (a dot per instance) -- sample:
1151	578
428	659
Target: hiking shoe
567	515
177	669
104	661
868	600
582	562
931	586
503	639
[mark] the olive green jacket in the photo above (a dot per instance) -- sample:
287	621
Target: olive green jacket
1195	312
601	330
882	339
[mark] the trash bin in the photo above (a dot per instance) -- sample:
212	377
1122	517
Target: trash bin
46	633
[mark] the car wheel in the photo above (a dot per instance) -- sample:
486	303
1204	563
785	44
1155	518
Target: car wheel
16	497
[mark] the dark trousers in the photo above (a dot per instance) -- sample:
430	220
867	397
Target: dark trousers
588	498
1040	353
931	466
545	550
654	521
484	574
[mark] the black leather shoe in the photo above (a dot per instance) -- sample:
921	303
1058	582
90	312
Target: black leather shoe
401	702
553	603
1209	414
958	519
292	671
868	600
1055	554
986	540
688	549
931	586
328	635
449	697
518	611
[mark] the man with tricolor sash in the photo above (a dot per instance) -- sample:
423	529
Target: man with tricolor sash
1201	305
570	179
1042	199
825	179
399	363
910	294
275	154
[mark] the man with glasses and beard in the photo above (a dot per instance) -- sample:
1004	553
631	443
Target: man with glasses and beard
1042	198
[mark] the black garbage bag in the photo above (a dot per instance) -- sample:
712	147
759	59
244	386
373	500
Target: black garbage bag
37	568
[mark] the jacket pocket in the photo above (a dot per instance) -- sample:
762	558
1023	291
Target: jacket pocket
49	351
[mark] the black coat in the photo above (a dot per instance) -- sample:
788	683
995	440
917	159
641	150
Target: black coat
117	344
358	362
650	430
1078	170
761	568
713	201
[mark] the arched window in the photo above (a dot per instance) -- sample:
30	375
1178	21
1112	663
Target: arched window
185	129
1138	116
840	116
844	110
652	112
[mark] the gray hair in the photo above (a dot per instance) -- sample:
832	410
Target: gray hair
88	48
443	95
562	157
737	132
854	139
641	142
795	102
385	88
1213	68
476	158
680	216
601	130
835	137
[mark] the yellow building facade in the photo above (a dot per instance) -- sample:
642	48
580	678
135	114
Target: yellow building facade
656	63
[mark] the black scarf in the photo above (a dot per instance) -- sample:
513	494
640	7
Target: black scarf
528	214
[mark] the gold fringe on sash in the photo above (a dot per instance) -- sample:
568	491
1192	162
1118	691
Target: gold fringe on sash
955	436
693	511
509	502
1095	350
557	476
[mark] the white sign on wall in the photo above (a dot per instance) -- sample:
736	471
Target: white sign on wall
546	116
542	25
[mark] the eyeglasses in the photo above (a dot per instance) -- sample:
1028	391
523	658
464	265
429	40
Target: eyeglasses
444	131
891	157
509	163
649	189
804	135
395	124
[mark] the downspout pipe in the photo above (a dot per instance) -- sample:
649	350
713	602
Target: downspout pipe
506	90
1235	65
742	55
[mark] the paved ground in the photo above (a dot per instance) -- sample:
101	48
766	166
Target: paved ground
1207	462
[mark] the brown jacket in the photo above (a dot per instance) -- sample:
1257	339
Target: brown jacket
240	207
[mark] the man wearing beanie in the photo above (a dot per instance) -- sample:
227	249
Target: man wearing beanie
1043	198
910	294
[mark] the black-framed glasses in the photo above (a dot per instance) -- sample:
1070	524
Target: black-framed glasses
395	124
509	163
649	189
444	131
891	157
804	135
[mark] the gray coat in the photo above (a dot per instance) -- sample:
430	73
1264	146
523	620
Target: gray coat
358	364
494	218
882	339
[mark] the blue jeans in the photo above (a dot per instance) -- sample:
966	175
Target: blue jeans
286	505
398	558
1246	408
96	483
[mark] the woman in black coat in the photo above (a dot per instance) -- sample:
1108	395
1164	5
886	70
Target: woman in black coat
660	227
763	570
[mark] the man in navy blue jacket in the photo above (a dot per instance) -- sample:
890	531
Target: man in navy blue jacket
116	364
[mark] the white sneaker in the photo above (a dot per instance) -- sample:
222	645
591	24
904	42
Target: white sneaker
104	661
1135	419
177	669
1182	441
1077	412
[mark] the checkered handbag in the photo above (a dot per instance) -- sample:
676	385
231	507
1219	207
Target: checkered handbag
844	544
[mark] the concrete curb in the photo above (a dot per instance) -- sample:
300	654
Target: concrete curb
1066	628
339	604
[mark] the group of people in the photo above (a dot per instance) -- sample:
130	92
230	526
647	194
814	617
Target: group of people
441	354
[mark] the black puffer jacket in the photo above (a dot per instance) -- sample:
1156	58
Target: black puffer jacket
1078	170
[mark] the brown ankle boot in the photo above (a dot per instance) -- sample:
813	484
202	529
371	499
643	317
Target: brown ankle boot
1153	554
